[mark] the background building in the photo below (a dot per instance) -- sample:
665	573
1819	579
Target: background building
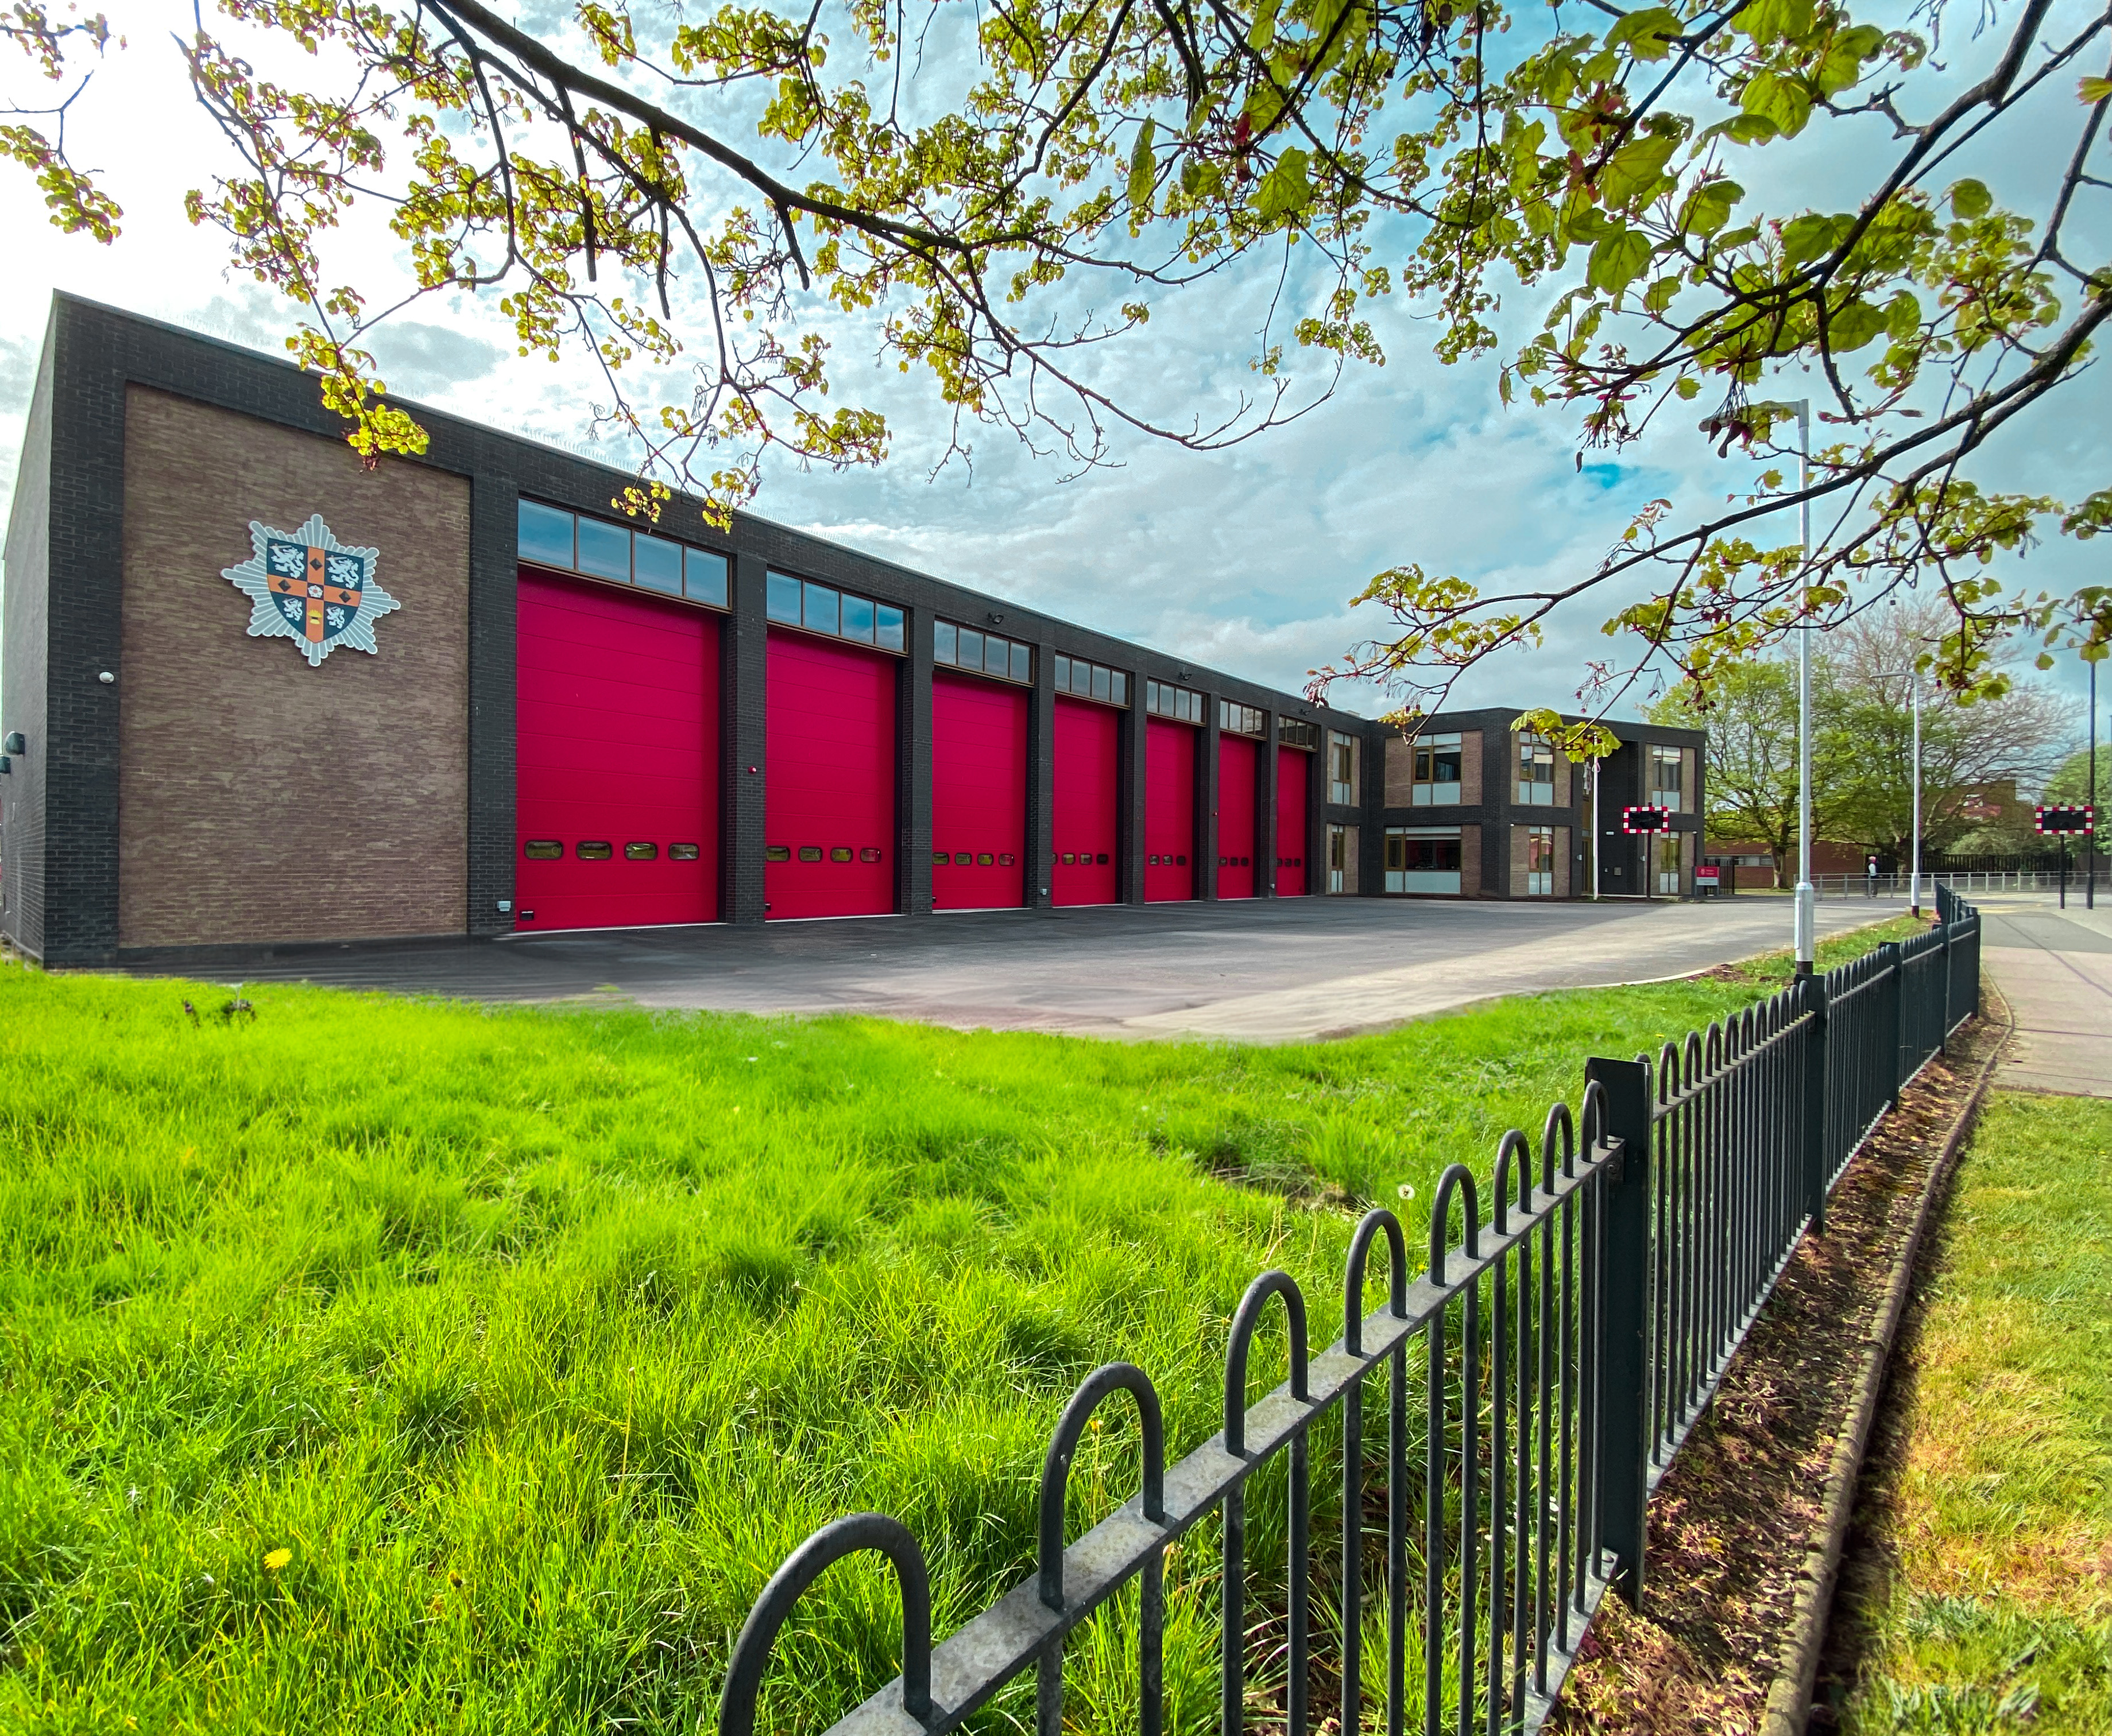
566	721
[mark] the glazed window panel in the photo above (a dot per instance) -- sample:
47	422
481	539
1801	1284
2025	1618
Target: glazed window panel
819	610
704	577
1421	860
782	599
857	618
945	641
1342	769
655	564
546	534
1536	771
605	550
1436	774
1667	784
887	628
956	646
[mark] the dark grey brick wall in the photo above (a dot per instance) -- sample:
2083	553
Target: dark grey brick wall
25	648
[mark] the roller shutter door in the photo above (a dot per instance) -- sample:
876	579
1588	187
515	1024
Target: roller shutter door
1169	811
1293	776
1236	765
978	793
1088	780
615	756
829	804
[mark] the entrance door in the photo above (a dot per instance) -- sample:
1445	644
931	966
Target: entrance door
978	793
1088	749
615	758
829	807
1236	766
1169	811
1293	770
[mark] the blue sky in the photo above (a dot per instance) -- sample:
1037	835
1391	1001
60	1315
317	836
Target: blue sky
1245	558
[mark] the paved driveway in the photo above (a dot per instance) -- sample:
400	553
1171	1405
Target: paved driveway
2055	968
1265	971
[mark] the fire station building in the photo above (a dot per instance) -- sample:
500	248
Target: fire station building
253	695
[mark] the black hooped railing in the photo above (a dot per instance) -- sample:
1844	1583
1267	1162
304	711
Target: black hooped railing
1568	1345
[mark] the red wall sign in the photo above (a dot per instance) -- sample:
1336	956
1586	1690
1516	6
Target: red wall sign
616	759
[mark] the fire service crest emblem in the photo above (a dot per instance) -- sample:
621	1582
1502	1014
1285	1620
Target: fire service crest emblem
305	586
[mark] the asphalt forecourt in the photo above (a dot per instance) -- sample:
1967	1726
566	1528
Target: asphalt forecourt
1259	970
378	1364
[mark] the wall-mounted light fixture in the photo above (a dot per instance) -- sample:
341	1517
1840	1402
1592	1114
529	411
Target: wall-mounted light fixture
106	677
16	742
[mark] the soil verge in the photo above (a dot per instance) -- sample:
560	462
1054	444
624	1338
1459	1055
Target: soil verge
1734	1521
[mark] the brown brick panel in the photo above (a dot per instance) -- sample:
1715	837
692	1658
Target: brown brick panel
260	799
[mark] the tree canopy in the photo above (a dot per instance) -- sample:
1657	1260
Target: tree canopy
676	195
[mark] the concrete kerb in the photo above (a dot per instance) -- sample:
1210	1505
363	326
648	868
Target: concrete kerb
1789	1697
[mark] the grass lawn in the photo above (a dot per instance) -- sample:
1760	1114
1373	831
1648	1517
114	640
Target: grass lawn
1999	1612
384	1364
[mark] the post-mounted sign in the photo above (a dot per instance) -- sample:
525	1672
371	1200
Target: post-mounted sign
1643	820
2067	821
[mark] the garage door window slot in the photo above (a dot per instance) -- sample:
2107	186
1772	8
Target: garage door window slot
594	850
543	849
682	852
641	853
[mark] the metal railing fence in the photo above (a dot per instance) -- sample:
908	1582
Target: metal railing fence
1899	885
1557	1355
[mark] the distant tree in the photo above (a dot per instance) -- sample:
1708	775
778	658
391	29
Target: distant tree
1862	742
1865	710
683	196
2070	785
1751	780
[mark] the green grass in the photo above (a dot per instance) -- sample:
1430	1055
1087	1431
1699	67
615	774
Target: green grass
383	1365
1999	1615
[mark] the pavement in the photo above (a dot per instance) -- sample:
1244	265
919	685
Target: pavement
1265	971
2054	969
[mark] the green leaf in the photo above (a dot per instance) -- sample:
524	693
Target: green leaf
1649	35
1707	208
1658	296
1970	199
1811	236
1902	316
1843	64
1284	191
1780	98
1618	257
1849	327
1688	386
1143	167
1632	174
2093	91
1262	31
1774	21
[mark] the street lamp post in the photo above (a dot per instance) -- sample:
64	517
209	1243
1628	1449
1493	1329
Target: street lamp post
2089	844
1913	692
1807	898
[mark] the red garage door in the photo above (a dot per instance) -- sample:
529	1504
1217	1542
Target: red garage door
615	756
1169	811
1235	817
978	793
1088	749
1292	770
829	812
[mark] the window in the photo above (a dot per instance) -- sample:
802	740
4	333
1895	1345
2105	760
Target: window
1239	720
593	850
1292	733
641	853
1342	769
549	536
842	853
1666	779
543	849
1083	681
681	852
1423	859
810	852
1536	771
1664	851
1437	780
1341	858
822	608
1540	861
777	853
1164	699
984	653
869	854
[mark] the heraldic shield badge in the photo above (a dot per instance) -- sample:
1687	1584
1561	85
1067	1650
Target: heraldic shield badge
305	586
